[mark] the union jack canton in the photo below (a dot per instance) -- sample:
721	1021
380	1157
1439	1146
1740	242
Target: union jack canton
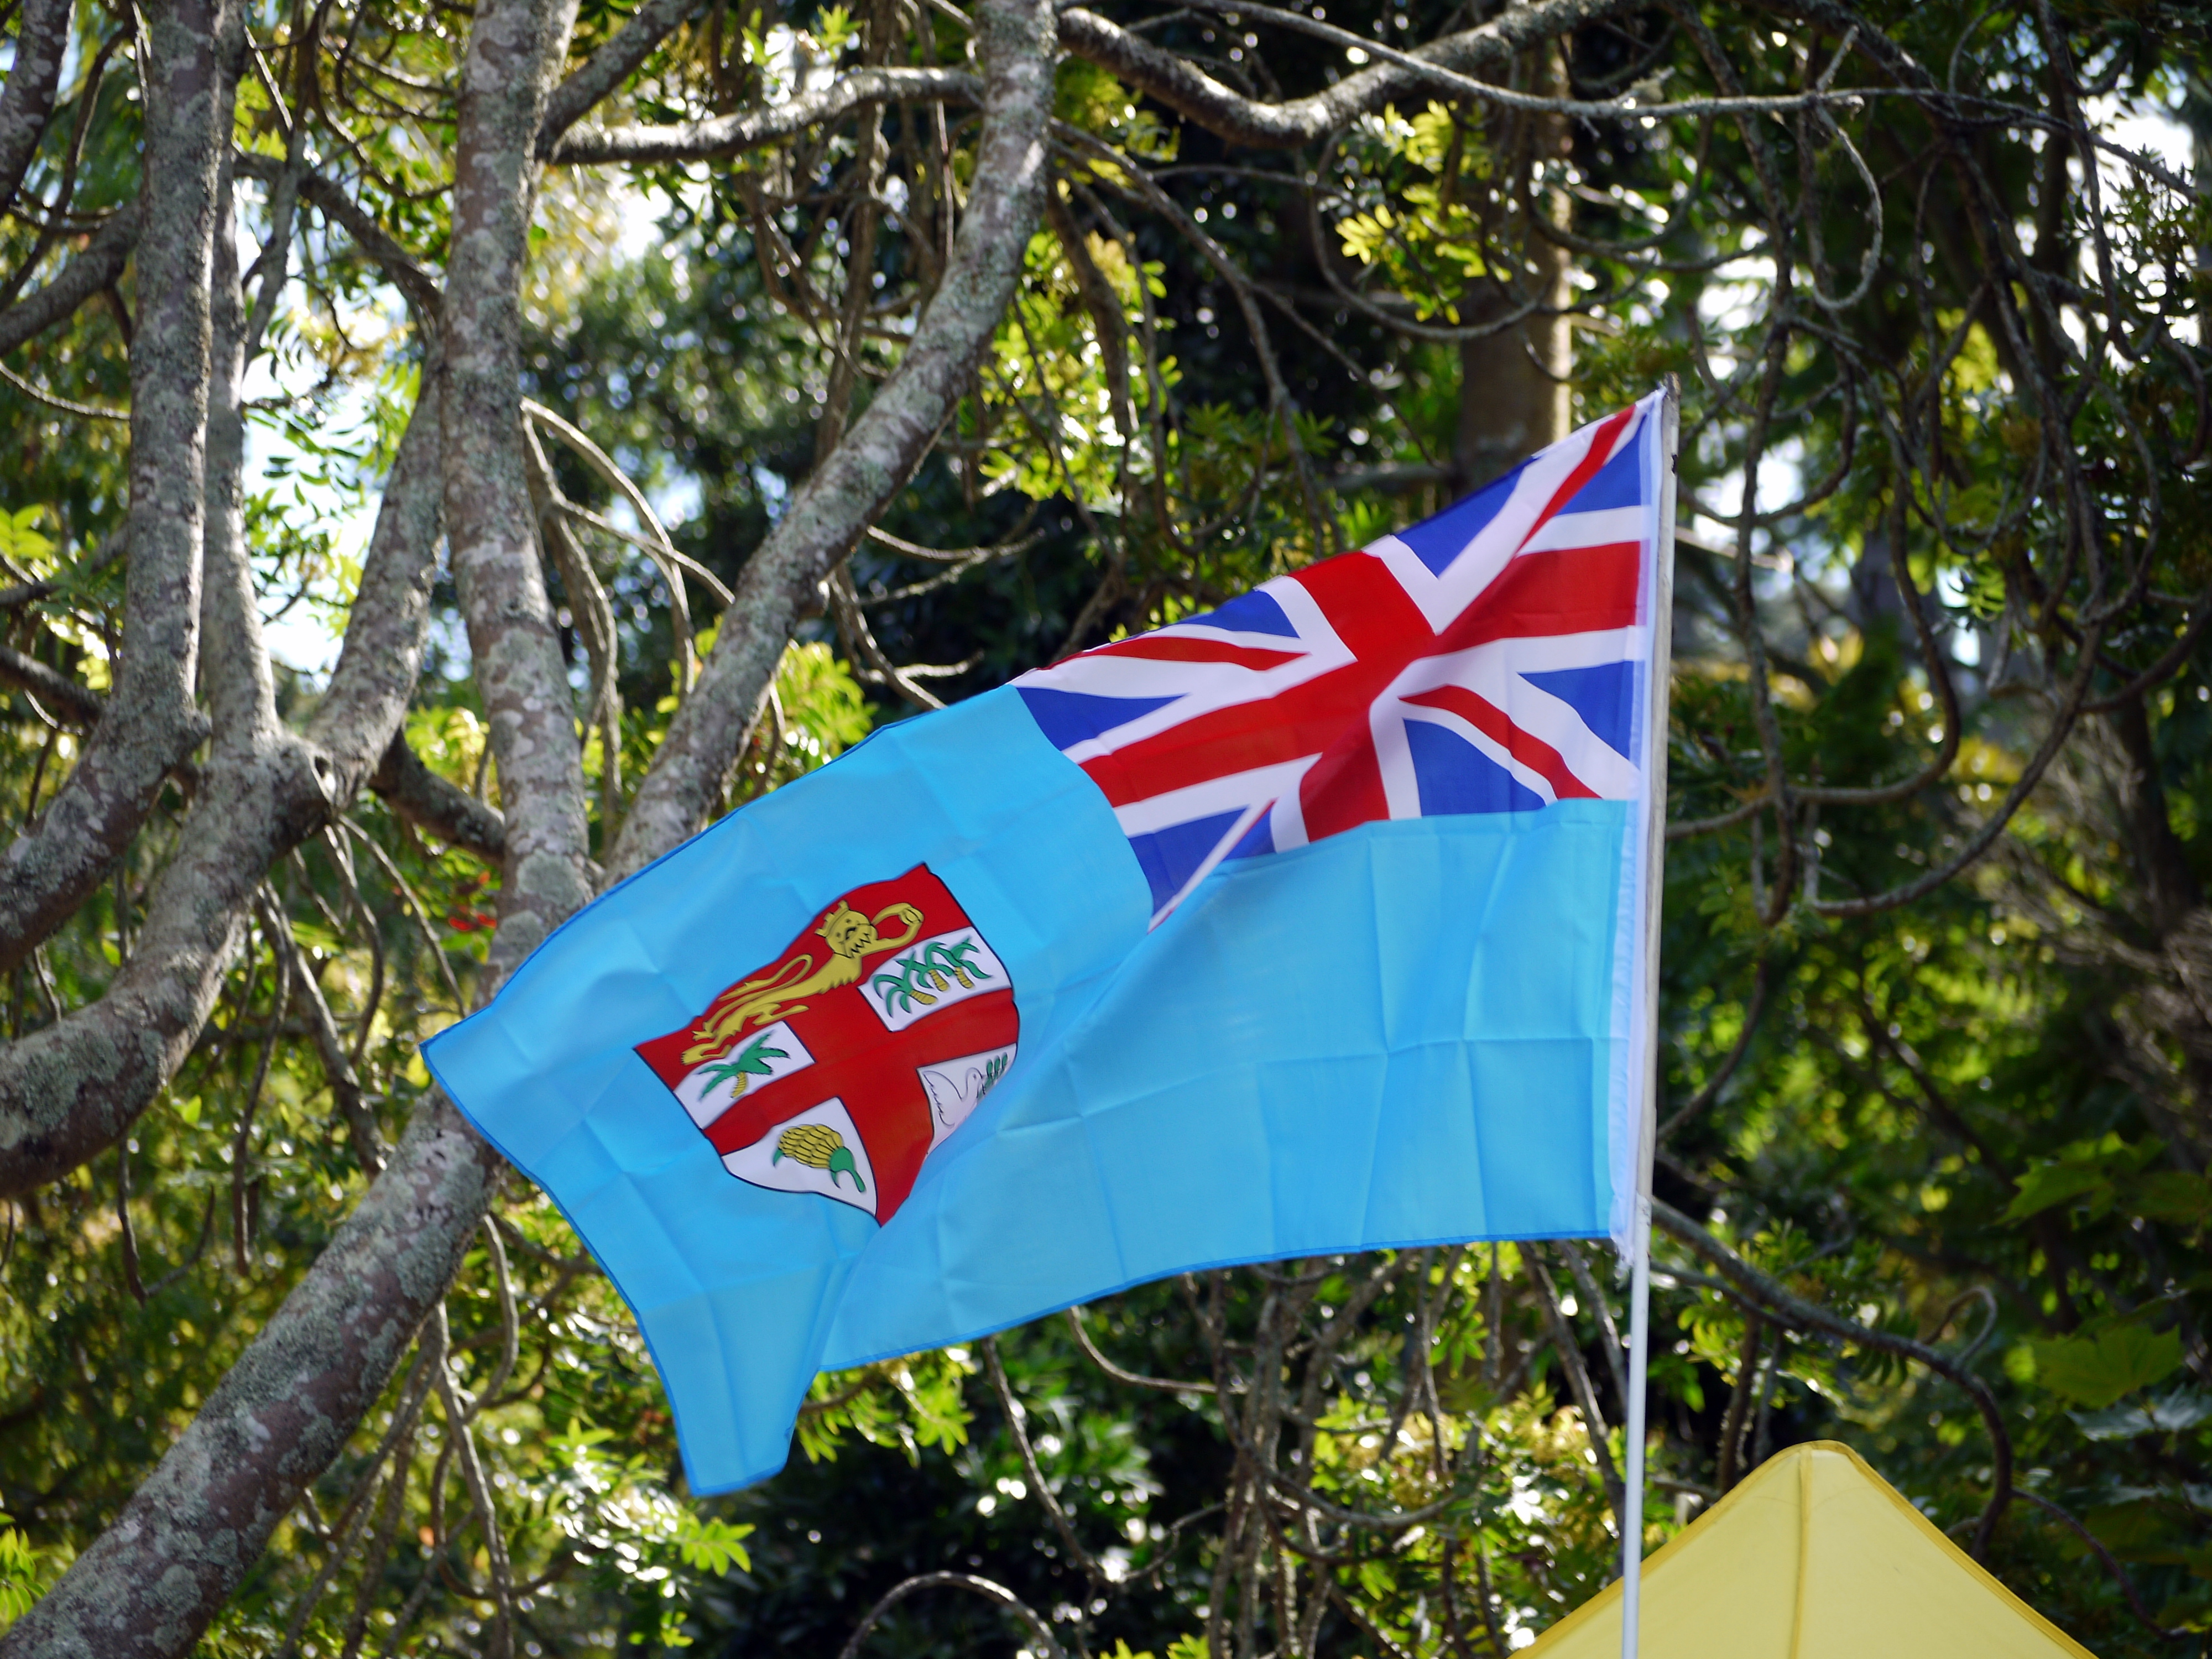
1487	660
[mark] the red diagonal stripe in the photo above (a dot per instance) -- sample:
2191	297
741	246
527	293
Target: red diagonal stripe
1300	721
1599	452
1574	590
1183	648
1487	718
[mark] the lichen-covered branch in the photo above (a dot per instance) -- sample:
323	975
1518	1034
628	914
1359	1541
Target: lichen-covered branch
236	680
95	268
41	40
1190	91
513	51
728	135
151	1583
149	723
436	806
606	69
881	450
71	1089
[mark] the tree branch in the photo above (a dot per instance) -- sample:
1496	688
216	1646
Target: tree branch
235	677
150	723
729	134
41	41
360	715
2097	1547
92	271
991	1591
1565	1344
151	1583
1132	1379
513	51
1769	1295
1190	92
61	697
418	286
351	1099
614	63
436	805
864	473
72	1089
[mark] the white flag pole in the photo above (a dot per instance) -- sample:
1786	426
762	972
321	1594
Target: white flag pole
1646	1059
1639	1356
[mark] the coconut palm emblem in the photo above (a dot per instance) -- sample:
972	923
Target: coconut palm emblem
755	1060
841	1066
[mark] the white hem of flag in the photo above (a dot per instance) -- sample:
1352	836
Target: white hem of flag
1632	976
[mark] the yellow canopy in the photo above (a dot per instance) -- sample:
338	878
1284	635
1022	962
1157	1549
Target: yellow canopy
1813	1556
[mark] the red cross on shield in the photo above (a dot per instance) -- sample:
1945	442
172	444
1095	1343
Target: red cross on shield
838	1068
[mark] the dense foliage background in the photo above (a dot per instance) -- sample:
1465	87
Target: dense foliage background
1936	1100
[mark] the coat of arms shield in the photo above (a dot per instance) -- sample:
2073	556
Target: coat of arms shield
840	1066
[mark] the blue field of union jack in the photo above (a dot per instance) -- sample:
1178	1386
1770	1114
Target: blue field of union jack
1493	650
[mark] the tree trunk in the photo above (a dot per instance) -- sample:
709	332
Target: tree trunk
1513	397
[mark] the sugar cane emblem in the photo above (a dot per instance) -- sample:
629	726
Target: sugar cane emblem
925	971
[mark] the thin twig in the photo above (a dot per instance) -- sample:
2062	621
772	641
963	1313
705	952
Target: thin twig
1031	1620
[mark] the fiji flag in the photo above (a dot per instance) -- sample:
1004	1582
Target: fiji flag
1311	924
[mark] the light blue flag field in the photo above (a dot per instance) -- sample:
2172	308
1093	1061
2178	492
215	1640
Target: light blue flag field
1310	925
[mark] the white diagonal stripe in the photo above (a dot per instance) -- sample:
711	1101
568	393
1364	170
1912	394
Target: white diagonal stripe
1212	798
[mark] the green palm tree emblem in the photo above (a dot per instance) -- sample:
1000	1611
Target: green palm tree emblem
750	1062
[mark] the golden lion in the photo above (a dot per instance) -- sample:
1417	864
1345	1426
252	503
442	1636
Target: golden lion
851	937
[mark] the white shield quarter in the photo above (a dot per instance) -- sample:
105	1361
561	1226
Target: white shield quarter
755	1058
931	975
781	1160
954	1087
